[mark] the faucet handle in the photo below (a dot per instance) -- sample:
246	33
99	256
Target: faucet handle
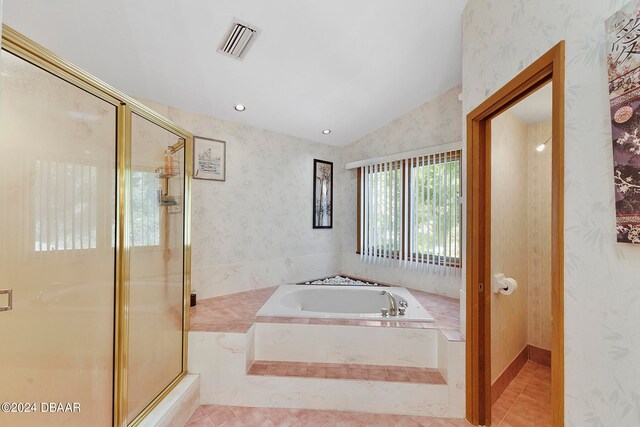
403	303
384	311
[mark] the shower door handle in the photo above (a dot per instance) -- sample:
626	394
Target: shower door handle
9	293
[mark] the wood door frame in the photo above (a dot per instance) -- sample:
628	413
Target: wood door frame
550	67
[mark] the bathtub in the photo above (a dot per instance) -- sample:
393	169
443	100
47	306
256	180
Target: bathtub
340	302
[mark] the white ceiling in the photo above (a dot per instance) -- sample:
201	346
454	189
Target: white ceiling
350	66
536	108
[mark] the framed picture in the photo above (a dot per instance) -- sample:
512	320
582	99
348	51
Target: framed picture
623	59
209	159
322	194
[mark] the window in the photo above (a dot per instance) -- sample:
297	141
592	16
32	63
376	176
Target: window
66	206
409	210
145	212
70	208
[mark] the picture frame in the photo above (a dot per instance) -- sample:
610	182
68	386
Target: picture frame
209	159
322	194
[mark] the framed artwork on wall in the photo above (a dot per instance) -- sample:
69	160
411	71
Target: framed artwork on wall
322	194
623	59
209	159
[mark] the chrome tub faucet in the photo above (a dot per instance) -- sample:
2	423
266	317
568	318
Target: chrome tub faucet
393	303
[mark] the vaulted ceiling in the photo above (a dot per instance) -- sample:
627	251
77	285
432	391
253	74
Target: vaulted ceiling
346	65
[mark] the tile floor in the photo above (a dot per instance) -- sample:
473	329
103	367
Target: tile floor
346	371
527	399
526	402
237	313
237	416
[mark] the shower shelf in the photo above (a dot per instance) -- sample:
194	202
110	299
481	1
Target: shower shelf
169	200
172	202
163	174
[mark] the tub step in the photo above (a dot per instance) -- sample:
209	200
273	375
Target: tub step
346	371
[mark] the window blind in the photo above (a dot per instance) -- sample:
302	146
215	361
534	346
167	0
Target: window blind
65	206
410	212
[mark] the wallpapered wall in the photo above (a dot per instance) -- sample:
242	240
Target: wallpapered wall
509	243
247	232
520	238
602	291
538	236
436	122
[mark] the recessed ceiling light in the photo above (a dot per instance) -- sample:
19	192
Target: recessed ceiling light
240	107
326	131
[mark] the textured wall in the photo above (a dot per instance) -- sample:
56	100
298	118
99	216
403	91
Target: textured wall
520	238
435	122
509	244
255	229
539	236
248	233
602	294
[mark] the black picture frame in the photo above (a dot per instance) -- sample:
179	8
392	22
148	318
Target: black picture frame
322	194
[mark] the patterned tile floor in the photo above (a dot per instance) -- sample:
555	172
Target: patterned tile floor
525	403
348	371
237	313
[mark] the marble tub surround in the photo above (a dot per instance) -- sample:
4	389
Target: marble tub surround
224	358
237	313
321	364
343	344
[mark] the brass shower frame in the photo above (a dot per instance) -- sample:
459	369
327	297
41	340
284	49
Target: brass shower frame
32	52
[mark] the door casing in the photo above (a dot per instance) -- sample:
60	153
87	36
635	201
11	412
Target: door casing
550	67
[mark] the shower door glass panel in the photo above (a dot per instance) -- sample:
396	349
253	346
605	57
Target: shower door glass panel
58	145
156	264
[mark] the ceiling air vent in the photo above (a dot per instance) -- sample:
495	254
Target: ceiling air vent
239	39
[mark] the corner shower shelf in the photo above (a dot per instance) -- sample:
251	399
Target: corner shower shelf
172	202
162	173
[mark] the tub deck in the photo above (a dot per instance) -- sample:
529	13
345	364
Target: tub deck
237	313
320	364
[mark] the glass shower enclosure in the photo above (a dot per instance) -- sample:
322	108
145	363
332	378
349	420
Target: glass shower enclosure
94	246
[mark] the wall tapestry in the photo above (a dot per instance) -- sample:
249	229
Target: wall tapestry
322	194
623	46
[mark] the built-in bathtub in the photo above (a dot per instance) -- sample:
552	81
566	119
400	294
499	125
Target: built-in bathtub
340	302
302	338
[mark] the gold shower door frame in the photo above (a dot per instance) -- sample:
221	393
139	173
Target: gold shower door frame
32	52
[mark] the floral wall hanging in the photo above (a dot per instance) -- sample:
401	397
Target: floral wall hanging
623	45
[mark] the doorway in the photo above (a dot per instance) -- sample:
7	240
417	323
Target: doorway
548	68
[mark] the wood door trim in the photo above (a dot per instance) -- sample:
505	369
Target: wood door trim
549	67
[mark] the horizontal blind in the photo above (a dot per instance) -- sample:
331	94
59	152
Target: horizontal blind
410	212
